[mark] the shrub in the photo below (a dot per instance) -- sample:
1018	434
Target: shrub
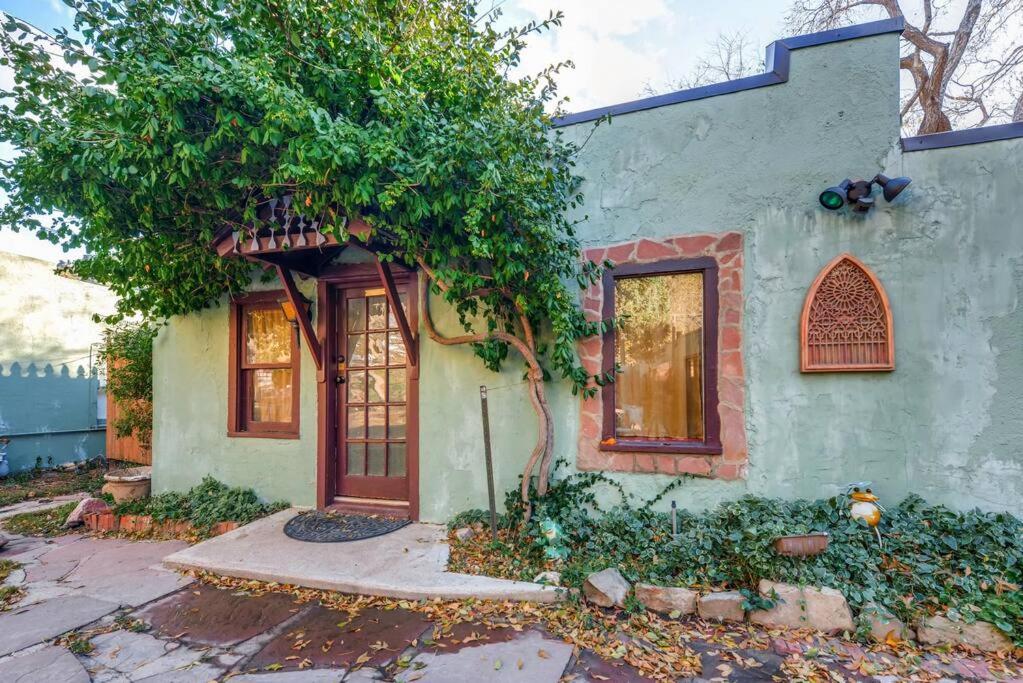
967	564
203	505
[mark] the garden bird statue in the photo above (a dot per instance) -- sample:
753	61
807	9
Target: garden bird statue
864	505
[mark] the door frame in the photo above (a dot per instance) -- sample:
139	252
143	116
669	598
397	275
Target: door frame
330	281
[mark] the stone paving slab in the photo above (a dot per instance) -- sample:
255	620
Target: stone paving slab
212	616
529	658
325	638
51	664
409	563
21	628
590	668
141	656
40	504
310	676
131	589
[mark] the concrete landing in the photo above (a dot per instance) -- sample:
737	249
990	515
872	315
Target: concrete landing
409	563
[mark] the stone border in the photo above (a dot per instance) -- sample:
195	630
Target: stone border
727	250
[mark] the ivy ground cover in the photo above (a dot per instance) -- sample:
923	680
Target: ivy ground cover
968	565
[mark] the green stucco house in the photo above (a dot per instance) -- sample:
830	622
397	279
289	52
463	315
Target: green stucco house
773	346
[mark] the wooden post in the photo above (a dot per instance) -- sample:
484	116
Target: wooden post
387	280
301	314
490	460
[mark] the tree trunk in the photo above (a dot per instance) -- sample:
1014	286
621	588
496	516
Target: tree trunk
544	447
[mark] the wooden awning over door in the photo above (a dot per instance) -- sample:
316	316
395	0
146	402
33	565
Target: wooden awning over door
290	243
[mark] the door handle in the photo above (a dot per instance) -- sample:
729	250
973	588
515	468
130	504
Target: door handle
341	369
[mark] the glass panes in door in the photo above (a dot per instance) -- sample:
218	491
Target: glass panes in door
375	387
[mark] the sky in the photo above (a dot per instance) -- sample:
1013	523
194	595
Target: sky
618	47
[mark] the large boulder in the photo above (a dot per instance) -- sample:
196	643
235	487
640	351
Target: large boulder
939	630
723	606
87	506
667	600
822	609
884	625
606	588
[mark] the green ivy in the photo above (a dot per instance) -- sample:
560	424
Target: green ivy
188	116
203	505
966	564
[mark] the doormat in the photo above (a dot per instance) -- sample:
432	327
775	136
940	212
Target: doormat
316	526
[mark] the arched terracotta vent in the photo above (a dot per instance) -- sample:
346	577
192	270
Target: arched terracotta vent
847	323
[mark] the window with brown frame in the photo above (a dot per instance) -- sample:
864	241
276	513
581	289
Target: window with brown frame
664	397
263	386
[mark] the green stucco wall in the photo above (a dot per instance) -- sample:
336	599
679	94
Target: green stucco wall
946	424
190	441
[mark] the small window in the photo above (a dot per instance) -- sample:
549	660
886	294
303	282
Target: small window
664	397
264	369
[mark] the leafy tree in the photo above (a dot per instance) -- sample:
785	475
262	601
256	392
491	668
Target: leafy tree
965	58
195	113
127	352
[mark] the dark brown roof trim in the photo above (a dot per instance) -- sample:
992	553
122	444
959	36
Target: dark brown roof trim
968	136
777	61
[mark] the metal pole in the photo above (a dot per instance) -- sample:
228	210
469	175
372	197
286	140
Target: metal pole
490	460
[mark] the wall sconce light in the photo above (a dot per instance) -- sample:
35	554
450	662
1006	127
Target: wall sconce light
290	314
857	193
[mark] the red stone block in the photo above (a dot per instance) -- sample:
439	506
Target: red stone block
597	254
732	316
730	364
590	428
693	465
620	462
665	463
693	245
729	471
645	463
620	253
731	338
731	393
731	240
648	250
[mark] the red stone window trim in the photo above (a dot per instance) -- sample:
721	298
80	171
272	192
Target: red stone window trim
728	456
846	324
238	424
711	443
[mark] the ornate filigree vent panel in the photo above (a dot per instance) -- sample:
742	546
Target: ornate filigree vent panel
847	323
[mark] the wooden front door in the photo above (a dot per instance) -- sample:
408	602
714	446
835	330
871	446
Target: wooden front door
374	387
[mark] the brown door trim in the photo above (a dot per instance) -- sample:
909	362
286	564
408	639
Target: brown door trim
340	277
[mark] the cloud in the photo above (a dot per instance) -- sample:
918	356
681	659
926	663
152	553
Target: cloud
603	38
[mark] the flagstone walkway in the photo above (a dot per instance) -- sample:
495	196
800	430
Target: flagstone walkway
145	623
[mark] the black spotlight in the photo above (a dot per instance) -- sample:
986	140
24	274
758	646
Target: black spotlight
834	198
891	186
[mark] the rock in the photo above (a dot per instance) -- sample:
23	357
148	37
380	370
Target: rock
4	540
667	600
939	630
550	578
464	534
87	506
822	609
723	606
606	588
883	624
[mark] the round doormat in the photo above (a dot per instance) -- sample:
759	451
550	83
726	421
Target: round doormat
333	527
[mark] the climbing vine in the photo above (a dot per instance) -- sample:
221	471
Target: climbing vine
181	118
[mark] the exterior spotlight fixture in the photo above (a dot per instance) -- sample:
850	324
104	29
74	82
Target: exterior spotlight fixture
857	193
834	198
891	186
